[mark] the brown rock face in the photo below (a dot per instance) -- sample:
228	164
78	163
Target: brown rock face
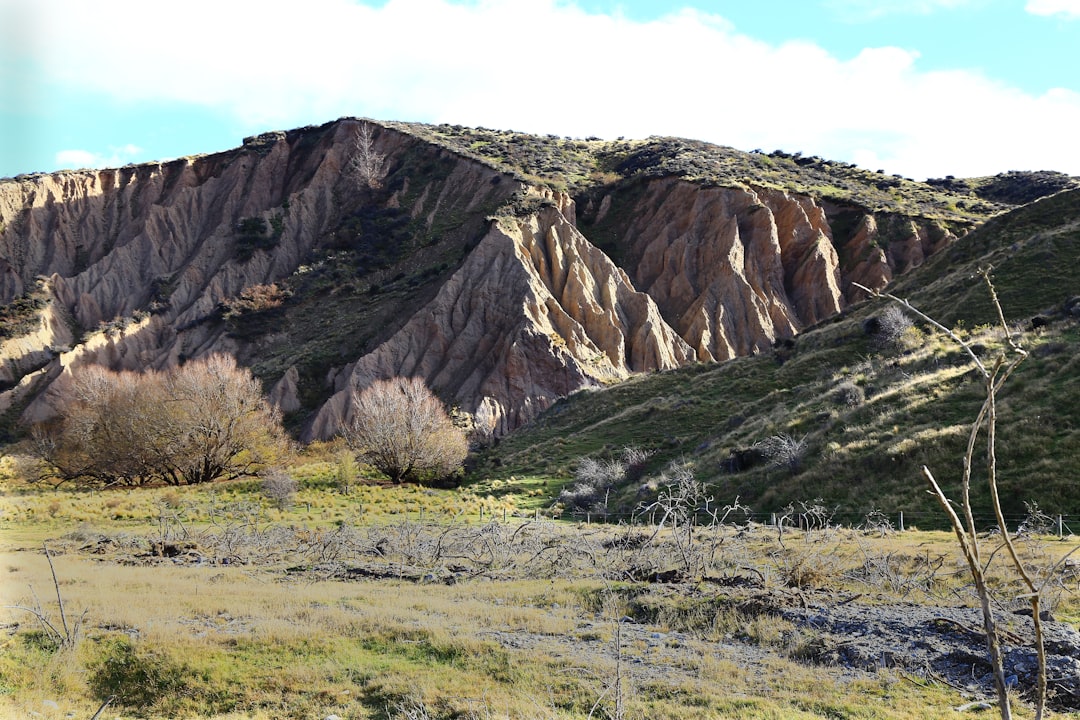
535	313
880	248
733	269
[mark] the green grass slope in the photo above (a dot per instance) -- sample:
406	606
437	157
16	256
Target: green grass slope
871	412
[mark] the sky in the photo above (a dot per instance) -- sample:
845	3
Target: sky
921	88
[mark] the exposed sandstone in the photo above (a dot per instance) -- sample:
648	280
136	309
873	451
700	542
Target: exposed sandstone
163	238
881	248
284	394
535	313
733	269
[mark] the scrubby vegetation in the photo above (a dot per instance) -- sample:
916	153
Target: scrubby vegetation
219	601
198	423
403	430
21	316
582	165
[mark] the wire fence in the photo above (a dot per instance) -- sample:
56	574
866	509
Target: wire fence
809	518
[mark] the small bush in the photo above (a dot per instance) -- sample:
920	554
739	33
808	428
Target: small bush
257	298
783	450
850	394
278	486
594	479
137	680
894	326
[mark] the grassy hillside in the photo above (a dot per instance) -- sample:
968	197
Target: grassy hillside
870	412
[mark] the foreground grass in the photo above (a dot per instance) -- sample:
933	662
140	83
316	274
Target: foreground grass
276	634
210	642
253	648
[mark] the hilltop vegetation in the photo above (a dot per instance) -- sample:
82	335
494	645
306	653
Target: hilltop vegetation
584	166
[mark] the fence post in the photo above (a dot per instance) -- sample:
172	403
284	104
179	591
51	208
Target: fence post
1061	532
481	514
588	518
772	519
504	515
901	521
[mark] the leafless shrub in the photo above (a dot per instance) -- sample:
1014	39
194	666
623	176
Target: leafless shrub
877	523
783	450
410	708
634	461
403	430
280	487
1035	521
64	635
193	424
894	323
594	479
680	500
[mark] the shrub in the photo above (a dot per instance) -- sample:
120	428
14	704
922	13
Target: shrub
783	450
279	486
257	298
197	423
404	431
850	394
136	680
894	325
594	479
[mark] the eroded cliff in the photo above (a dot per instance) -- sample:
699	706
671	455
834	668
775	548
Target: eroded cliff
446	265
535	313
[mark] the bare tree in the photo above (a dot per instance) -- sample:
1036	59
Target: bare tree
403	430
993	376
366	165
204	421
228	428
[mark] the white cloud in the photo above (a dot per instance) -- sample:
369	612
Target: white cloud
115	157
547	66
862	10
1069	8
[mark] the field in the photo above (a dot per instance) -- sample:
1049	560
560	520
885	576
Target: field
378	601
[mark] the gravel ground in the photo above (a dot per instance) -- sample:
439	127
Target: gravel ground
943	643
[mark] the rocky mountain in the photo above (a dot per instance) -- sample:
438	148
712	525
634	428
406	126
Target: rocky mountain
508	270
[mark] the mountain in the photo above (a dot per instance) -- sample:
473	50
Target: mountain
866	409
508	270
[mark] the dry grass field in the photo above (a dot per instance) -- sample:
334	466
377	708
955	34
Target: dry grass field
400	602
